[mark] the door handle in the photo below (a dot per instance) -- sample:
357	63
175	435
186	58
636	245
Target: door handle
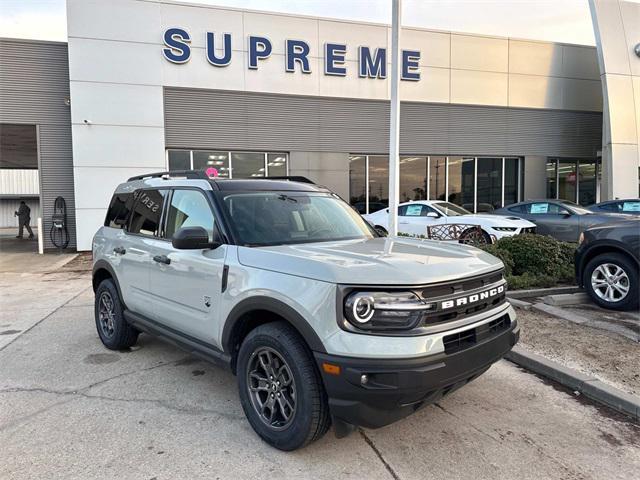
162	259
119	251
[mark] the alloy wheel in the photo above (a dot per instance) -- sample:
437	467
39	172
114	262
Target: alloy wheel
106	314
610	282
272	389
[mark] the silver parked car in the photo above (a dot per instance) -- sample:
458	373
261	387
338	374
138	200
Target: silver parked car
561	219
322	320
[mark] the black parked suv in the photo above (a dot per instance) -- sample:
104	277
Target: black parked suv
607	264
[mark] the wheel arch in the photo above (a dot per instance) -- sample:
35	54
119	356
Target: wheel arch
600	249
255	311
103	270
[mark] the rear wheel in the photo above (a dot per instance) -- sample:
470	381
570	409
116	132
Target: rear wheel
611	280
114	331
281	392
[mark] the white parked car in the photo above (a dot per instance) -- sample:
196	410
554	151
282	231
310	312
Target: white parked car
415	217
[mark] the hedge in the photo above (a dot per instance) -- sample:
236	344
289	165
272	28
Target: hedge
534	260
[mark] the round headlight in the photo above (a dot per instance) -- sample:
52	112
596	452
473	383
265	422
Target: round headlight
361	306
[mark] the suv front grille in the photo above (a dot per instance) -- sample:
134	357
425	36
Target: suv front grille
457	342
464	290
461	286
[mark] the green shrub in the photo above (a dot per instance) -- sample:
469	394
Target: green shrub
533	261
503	255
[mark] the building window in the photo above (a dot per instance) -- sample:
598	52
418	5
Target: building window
18	147
227	164
573	179
413	178
437	178
358	182
489	184
206	159
511	183
179	160
378	183
476	183
460	175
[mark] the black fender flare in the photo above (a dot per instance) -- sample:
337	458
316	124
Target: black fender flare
104	265
276	307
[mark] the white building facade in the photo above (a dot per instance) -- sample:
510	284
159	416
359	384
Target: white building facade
485	121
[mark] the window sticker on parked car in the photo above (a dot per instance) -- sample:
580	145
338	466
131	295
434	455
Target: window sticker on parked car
631	206
413	210
539	208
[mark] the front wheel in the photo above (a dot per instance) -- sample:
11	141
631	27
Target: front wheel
280	390
611	280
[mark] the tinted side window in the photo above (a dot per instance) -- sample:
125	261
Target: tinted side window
546	208
189	208
119	210
519	209
610	207
413	211
145	218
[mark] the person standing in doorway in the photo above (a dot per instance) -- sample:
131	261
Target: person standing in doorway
24	218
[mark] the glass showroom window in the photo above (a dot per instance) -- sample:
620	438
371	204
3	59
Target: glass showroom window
204	159
413	178
460	174
437	178
358	182
476	183
489	184
573	179
378	183
230	164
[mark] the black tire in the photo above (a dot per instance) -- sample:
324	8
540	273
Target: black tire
309	420
471	237
113	330
381	230
630	300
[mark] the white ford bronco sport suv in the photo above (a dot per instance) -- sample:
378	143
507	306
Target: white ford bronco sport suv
322	320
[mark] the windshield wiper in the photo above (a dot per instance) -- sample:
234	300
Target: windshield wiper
287	197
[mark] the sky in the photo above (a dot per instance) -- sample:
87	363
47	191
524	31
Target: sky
566	21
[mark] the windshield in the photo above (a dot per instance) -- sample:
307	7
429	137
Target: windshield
576	208
451	209
275	218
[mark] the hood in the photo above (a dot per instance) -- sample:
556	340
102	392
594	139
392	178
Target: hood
410	262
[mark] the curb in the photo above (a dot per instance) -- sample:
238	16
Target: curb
542	292
590	387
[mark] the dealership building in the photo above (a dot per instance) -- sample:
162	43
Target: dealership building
149	85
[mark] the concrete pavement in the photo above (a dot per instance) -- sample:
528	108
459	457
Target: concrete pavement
71	409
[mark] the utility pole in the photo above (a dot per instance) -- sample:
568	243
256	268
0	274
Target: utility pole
394	123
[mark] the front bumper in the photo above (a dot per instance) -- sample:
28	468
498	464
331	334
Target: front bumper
396	388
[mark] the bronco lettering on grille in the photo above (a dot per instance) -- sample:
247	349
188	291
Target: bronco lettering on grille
476	297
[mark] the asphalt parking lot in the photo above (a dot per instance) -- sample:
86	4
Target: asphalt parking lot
69	408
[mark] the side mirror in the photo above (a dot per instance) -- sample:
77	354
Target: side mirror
432	215
192	238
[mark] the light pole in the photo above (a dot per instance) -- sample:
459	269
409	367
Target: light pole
394	123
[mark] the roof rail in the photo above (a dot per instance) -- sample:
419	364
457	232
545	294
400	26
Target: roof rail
199	174
294	178
195	174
